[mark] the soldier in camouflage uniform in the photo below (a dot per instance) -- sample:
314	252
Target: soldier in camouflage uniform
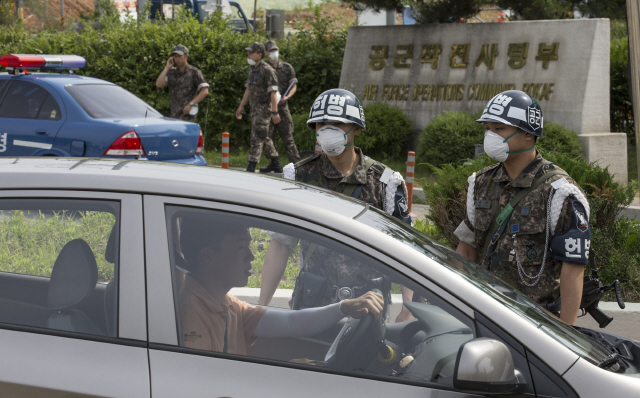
187	87
542	245
261	92
287	86
337	117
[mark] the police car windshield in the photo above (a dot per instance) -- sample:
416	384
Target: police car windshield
105	101
494	287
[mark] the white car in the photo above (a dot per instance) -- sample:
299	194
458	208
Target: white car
92	255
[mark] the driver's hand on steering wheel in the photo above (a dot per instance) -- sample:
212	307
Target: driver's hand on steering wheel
369	302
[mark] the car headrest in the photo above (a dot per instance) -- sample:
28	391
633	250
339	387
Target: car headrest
73	277
110	251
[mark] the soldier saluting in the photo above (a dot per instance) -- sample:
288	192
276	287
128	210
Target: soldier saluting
526	219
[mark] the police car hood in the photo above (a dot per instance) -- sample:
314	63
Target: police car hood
163	138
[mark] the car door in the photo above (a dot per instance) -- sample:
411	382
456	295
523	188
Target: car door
30	118
72	316
188	361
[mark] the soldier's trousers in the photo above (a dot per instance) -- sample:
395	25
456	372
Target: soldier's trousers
260	138
285	130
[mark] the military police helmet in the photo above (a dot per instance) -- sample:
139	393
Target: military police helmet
336	105
515	108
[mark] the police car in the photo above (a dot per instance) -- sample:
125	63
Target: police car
55	114
92	283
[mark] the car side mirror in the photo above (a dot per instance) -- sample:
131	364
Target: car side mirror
485	366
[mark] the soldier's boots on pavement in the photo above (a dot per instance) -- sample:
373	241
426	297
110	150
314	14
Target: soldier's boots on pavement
251	167
274	166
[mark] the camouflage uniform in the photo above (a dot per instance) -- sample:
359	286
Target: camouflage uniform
286	75
184	87
260	83
341	270
529	219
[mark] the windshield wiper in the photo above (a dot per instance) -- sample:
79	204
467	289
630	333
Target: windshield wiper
610	360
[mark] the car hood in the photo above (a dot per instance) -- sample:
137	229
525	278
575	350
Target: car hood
164	138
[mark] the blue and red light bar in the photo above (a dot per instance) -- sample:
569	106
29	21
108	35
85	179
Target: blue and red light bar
42	62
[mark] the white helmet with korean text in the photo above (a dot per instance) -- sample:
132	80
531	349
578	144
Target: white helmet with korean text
515	108
336	105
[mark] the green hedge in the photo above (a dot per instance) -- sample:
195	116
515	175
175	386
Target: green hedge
387	130
615	240
451	137
133	54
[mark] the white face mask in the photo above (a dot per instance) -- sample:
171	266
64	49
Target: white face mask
251	62
332	139
274	55
497	148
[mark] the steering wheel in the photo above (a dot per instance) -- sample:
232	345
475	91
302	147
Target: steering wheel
357	343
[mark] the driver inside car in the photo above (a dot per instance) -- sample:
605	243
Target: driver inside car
218	258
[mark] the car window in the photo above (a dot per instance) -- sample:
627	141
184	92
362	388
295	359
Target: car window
3	84
24	100
59	264
50	109
105	101
223	264
487	283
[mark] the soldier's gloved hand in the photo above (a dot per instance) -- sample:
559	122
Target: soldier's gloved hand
369	302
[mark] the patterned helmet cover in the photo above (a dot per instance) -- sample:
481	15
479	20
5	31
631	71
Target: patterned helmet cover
515	108
336	105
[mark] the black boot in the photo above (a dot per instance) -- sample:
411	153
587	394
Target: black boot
251	168
274	166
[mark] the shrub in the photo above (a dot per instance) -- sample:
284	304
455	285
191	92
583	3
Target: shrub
387	130
615	241
557	138
450	138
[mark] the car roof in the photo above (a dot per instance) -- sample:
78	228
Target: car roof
56	79
174	179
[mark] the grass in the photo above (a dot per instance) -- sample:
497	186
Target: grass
260	240
32	240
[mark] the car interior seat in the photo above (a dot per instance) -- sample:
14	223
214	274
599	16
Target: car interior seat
111	292
73	278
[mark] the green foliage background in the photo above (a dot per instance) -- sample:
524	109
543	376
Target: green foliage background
132	55
451	136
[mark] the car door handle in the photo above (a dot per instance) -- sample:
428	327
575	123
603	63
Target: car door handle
41	132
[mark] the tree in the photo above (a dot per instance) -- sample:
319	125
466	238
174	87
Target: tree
445	11
562	9
427	11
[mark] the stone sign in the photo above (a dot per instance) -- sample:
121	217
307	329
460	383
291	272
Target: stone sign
427	69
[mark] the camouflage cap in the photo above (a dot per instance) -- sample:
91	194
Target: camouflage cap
271	45
256	47
180	50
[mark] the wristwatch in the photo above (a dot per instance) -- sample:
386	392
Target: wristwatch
192	104
274	112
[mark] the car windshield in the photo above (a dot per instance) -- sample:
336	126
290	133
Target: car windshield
494	287
106	101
